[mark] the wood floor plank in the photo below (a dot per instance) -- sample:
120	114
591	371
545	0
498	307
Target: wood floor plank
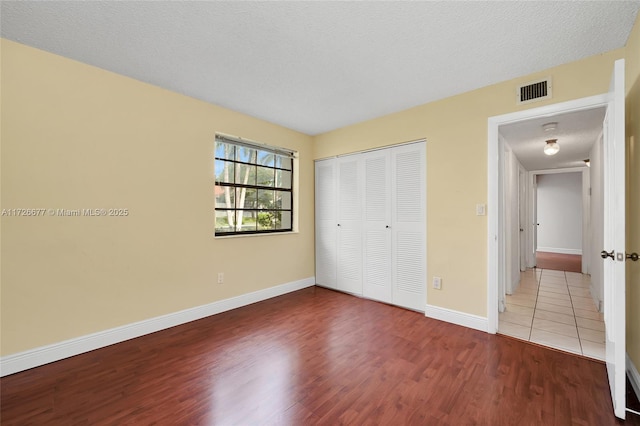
314	356
559	261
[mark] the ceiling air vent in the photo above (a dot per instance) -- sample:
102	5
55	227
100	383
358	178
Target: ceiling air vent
534	91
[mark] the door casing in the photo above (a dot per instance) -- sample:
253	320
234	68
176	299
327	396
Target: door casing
495	221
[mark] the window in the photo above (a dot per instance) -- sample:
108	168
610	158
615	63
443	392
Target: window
253	187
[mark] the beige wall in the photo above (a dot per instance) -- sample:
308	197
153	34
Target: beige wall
75	136
632	84
456	132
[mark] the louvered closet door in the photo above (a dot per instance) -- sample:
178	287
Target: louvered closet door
349	225
377	226
408	182
326	220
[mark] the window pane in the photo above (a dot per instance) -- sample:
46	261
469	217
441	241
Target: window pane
284	220
266	158
246	198
225	197
265	199
283	179
283	200
246	221
246	155
266	220
225	221
225	150
283	162
245	174
265	176
224	171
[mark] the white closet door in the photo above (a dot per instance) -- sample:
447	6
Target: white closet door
408	228
377	226
326	220
349	225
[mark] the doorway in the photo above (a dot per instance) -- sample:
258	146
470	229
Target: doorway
549	305
496	223
562	225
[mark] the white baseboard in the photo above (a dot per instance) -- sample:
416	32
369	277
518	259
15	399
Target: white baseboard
45	354
457	317
634	376
560	250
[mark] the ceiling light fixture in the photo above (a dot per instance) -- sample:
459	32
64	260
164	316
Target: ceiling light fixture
552	147
587	162
550	126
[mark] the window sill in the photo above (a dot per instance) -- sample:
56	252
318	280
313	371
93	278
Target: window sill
269	234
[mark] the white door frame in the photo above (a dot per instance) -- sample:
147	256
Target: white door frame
495	226
586	206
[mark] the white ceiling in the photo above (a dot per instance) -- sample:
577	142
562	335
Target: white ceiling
318	66
576	133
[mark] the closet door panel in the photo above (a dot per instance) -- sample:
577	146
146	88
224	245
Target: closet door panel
408	183
349	229
377	226
326	222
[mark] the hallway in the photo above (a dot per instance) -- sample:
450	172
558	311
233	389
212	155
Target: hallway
555	309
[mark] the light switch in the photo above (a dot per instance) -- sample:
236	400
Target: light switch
480	210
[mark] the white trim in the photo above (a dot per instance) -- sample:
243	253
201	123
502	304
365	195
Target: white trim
560	250
634	376
14	363
493	223
456	317
586	212
393	145
580	169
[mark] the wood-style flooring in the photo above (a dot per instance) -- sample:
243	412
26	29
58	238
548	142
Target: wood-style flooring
559	261
314	356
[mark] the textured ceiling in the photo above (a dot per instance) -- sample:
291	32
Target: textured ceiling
576	133
318	66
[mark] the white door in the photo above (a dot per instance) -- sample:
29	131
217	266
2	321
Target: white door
349	225
377	226
326	220
614	238
408	226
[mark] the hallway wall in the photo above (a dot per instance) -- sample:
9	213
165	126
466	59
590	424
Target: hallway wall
560	213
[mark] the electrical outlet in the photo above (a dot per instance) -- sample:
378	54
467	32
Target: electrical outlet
220	277
437	283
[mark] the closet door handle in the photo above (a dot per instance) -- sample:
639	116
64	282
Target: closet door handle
387	227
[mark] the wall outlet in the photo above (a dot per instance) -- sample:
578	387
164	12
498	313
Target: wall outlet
220	277
481	210
437	283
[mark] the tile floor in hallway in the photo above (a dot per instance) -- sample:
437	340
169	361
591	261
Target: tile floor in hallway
555	309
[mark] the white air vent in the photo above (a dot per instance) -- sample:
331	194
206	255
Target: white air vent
534	91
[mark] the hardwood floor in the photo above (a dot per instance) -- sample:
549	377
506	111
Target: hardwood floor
558	261
314	357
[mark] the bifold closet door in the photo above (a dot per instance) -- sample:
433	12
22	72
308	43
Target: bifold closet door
326	219
377	226
371	224
349	225
408	227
